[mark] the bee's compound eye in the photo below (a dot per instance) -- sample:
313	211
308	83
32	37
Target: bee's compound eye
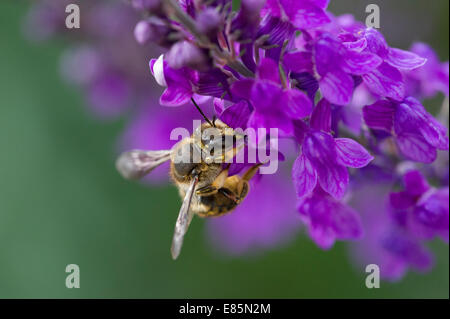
184	169
186	158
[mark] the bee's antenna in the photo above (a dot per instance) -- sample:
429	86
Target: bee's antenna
203	114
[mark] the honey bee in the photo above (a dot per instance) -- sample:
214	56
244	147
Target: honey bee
199	170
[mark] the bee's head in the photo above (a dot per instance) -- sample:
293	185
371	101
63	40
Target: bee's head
219	142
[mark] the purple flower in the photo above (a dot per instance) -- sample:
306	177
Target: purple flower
182	83
397	58
335	64
266	94
178	82
327	219
418	134
386	80
423	210
430	78
324	159
384	243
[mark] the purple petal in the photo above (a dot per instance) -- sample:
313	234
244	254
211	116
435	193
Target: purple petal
416	148
277	30
328	219
300	130
298	62
236	115
433	211
433	131
442	141
421	229
319	147
219	105
268	70
380	115
432	77
401	200
346	222
408	249
299	105
321	116
323	4
242	88
327	54
412	117
337	87
315	212
333	178
415	183
386	81
306	82
404	60
175	96
272	7
360	63
376	43
276	120
304	176
267	96
357	46
212	83
352	118
351	154
305	14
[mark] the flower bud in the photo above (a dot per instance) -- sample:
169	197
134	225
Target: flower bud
186	54
209	22
142	32
151	30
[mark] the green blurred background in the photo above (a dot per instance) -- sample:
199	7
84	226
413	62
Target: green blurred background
62	202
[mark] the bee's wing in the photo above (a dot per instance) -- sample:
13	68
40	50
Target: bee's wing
136	163
183	220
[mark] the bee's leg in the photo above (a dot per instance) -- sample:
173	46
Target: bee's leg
206	191
229	194
215	186
243	186
251	172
